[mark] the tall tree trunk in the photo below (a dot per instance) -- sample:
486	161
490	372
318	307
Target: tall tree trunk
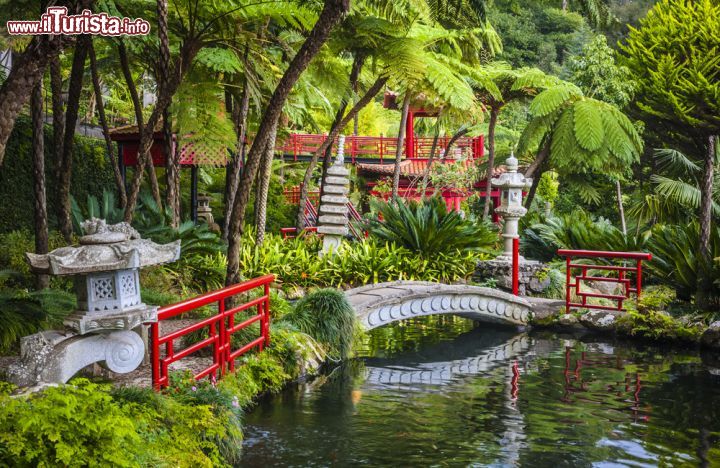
261	197
333	11
334	132
58	111
621	208
459	134
139	119
491	160
536	169
400	146
705	299
188	51
38	158
172	166
106	131
27	70
71	115
232	171
428	167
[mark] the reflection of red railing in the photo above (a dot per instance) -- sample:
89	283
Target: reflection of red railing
624	277
221	327
297	144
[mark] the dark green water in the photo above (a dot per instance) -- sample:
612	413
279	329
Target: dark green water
436	392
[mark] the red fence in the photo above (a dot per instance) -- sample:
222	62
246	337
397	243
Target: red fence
299	144
629	276
220	326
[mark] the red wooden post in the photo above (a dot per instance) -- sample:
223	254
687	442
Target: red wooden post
516	266
567	285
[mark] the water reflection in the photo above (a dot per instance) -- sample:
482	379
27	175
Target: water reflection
438	392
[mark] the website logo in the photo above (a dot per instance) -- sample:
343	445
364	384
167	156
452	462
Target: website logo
57	21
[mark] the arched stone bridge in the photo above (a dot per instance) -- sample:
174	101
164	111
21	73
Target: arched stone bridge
379	304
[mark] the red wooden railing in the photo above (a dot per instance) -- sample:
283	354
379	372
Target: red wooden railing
298	144
221	327
630	277
291	232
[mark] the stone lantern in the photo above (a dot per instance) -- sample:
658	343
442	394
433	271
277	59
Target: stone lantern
333	220
511	183
204	211
105	269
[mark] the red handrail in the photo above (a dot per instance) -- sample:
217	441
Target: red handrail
623	277
221	327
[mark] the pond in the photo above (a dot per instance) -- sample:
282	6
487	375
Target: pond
437	392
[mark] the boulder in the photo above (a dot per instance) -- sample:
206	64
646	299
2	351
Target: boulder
601	320
568	320
711	336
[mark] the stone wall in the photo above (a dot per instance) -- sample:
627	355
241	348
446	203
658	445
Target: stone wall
532	276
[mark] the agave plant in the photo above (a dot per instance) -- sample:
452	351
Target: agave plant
428	228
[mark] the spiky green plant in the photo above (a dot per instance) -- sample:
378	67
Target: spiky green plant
428	228
327	316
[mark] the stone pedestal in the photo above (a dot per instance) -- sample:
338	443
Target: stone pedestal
333	213
531	275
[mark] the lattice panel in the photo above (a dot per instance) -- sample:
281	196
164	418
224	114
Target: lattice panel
127	285
103	289
198	153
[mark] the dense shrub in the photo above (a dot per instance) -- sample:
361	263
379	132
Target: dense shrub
296	262
428	228
91	174
327	316
24	313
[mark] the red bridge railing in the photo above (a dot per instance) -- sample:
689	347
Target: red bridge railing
221	326
629	275
298	144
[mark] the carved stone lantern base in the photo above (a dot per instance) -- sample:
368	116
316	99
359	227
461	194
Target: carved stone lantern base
54	356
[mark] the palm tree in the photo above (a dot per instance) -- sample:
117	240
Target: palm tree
512	85
575	134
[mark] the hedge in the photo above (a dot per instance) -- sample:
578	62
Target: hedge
91	173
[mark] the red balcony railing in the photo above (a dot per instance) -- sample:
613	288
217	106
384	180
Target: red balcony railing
628	274
221	326
298	144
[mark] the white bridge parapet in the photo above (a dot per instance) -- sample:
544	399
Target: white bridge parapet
379	304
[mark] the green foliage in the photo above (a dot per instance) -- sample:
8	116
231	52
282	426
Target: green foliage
24	313
71	425
675	261
585	135
658	325
14	245
295	262
428	228
327	316
673	57
91	174
596	72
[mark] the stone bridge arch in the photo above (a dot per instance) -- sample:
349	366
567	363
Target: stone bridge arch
380	304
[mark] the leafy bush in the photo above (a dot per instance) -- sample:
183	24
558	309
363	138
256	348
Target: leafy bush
428	228
327	316
92	173
68	425
296	262
12	257
24	313
675	261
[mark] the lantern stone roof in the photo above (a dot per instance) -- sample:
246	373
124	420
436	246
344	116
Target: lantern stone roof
104	248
